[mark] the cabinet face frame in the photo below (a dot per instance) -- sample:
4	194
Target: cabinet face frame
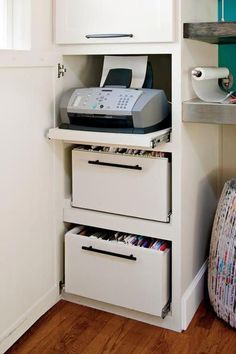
83	68
90	21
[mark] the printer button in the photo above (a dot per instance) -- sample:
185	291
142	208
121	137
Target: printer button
101	106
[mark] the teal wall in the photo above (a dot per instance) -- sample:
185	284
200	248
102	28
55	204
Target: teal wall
227	53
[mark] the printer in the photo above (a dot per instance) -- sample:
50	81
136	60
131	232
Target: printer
115	109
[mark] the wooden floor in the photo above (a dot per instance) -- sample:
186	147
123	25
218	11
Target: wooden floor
68	328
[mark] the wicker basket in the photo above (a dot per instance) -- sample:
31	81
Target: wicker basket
222	259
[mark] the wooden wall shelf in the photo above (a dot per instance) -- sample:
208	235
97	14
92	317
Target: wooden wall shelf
197	111
211	32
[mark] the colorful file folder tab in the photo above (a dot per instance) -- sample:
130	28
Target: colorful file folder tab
126	239
122	151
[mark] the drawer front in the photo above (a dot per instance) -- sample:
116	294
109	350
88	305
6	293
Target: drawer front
77	21
139	282
124	185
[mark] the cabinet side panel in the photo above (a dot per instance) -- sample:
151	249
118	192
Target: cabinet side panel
200	152
200	175
199	11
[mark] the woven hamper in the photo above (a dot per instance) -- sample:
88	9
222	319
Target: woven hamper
222	259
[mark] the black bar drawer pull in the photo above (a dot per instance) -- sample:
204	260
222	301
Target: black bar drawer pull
113	254
109	35
97	162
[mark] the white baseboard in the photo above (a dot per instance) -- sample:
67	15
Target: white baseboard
193	296
13	333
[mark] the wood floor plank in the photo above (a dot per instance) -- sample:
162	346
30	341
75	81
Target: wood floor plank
138	338
220	339
57	320
73	329
90	331
105	341
67	333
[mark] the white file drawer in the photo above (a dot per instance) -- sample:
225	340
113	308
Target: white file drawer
128	276
121	184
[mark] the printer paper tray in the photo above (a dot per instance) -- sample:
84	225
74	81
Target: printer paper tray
150	140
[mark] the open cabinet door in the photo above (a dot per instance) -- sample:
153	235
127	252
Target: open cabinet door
29	245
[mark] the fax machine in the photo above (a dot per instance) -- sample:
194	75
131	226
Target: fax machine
114	109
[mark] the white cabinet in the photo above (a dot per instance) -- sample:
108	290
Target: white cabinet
110	21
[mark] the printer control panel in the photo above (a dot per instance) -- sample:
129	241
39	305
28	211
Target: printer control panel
96	100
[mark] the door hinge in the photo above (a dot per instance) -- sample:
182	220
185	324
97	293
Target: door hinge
61	286
61	70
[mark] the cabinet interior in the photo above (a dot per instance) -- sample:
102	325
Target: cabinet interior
86	71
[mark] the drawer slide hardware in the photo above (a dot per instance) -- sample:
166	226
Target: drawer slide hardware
165	310
97	162
113	254
61	286
165	138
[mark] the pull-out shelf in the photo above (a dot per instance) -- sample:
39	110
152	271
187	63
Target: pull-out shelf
149	141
